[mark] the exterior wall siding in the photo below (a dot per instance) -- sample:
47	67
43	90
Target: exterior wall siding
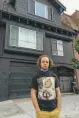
47	47
22	56
22	8
4	78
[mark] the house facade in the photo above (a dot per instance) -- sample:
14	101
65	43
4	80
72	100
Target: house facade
73	23
28	29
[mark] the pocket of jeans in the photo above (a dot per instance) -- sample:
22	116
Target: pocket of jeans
55	111
58	110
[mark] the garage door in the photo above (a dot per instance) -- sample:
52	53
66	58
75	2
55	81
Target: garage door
20	78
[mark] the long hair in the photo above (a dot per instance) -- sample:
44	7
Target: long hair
50	61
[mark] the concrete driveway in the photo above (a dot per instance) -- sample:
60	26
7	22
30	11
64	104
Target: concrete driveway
19	108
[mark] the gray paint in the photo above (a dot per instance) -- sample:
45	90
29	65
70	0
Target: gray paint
25	58
56	19
68	52
0	42
1	30
20	78
21	8
8	57
4	78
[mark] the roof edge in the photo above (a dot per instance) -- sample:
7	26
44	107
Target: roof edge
60	7
60	4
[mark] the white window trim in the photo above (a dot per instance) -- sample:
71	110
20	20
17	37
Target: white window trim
35	7
18	36
46	12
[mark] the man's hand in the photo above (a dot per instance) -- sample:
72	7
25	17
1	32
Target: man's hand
34	100
38	110
58	98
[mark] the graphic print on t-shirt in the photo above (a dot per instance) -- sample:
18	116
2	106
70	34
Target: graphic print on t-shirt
46	88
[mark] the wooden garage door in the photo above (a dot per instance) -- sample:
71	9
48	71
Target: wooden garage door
20	78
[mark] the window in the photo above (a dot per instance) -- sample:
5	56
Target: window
60	48
57	47
26	38
41	10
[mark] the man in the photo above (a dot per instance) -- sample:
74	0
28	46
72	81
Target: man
45	91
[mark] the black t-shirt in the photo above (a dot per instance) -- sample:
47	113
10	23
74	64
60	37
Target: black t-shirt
45	83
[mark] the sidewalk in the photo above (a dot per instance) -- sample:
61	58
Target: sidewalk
19	108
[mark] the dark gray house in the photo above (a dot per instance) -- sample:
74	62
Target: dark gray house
28	29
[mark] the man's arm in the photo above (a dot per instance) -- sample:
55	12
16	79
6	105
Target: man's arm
34	100
58	97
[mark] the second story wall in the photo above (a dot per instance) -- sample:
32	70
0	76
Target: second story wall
16	42
29	8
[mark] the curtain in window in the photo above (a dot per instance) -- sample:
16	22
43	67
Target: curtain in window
27	38
60	47
14	35
39	41
57	47
54	47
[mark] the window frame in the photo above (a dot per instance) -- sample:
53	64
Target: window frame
20	50
46	10
32	12
27	41
56	52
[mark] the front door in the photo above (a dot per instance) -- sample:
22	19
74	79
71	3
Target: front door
65	83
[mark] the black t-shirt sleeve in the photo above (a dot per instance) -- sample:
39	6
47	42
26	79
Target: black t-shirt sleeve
57	84
34	83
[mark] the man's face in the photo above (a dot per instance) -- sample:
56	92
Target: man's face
44	63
